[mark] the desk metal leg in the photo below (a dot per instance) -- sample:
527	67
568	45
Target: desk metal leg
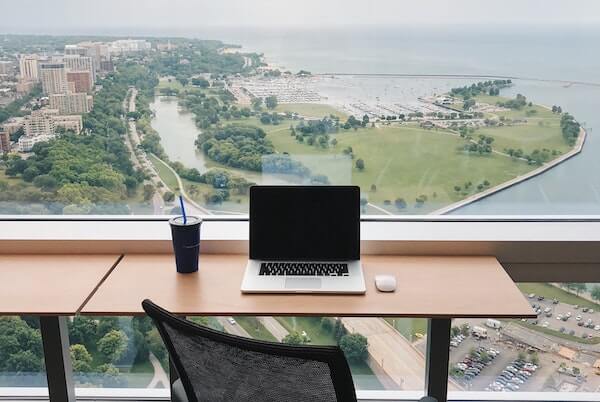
55	338
438	358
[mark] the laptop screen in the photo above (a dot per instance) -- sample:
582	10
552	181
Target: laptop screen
305	223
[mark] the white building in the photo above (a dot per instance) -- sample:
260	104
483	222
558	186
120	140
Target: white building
71	103
40	122
26	143
123	46
29	67
6	67
54	78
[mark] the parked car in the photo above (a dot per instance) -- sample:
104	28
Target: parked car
578	318
584	309
231	321
531	295
540	297
555	301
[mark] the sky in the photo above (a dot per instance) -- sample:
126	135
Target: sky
147	17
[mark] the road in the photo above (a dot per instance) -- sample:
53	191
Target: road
395	355
160	378
274	327
132	141
233	329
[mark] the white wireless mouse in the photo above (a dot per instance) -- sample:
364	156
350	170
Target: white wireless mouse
385	283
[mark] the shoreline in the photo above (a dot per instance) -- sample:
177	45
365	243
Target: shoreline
517	180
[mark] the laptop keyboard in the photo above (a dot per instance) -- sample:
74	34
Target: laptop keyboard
304	268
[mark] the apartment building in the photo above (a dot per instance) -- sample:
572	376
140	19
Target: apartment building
29	67
80	81
54	78
71	103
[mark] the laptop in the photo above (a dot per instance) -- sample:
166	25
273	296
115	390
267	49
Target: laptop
304	239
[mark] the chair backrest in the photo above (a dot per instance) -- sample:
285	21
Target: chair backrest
214	366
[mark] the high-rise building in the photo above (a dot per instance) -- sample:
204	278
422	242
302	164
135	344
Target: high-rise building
80	63
29	67
71	103
81	80
54	78
4	140
123	46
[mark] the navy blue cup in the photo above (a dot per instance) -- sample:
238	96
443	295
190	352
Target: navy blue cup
186	243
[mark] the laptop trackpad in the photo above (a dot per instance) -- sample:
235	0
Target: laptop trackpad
302	283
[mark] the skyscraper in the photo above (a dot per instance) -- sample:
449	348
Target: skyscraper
80	63
81	81
54	78
29	67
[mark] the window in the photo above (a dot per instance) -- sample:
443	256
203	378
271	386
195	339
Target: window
459	111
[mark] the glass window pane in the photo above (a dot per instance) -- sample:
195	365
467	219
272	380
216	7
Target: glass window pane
556	352
458	112
21	353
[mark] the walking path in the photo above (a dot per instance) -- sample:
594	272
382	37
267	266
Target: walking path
160	378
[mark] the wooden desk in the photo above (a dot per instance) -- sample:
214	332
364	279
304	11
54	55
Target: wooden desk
440	288
431	287
52	286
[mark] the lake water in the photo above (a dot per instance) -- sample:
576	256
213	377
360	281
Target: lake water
549	53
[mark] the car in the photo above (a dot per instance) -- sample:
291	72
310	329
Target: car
578	318
576	306
580	324
461	366
558	317
523	377
562	330
590	336
453	344
534	322
555	301
540	297
517	380
547	309
597	328
584	309
584	335
531	295
545	324
572	332
589	325
549	314
513	387
231	321
565	318
568	314
591	311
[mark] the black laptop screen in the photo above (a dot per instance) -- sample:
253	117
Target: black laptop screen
305	223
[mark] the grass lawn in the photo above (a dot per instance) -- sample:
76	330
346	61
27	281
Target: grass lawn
595	340
551	292
171	83
311	110
255	328
528	136
409	327
165	174
402	162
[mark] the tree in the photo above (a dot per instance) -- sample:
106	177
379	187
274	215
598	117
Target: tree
400	203
596	293
464	329
149	192
80	358
295	338
113	345
355	347
360	164
24	361
334	142
373	187
168	196
271	102
521	355
534	359
454	331
83	330
257	104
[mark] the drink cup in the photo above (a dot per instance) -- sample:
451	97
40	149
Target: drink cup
186	243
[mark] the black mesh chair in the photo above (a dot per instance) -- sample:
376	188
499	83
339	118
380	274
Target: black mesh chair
214	366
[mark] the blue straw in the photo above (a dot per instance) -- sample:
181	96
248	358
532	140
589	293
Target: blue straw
183	210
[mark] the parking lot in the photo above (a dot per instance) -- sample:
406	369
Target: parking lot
569	314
